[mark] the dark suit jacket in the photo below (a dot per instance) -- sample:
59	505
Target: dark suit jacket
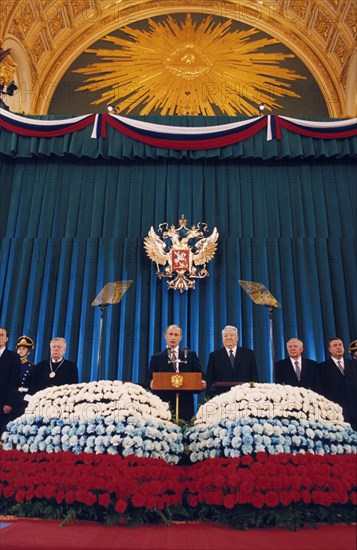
10	365
219	368
40	379
285	374
160	363
341	388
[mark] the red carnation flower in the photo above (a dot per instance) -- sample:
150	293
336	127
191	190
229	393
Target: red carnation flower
229	501
59	497
258	500
306	496
246	460
104	499
8	491
271	499
192	500
285	498
20	496
138	500
120	506
151	502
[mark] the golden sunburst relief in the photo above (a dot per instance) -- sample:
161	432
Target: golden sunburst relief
188	68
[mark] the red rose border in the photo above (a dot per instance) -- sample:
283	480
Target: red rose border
133	490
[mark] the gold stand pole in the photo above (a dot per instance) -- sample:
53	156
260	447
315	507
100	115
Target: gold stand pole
177	405
261	296
110	294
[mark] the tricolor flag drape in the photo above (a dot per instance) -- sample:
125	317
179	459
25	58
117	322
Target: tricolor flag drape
177	137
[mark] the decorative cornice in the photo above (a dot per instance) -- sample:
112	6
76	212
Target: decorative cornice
320	32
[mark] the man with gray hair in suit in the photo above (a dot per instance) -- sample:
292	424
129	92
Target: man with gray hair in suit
55	371
296	370
231	363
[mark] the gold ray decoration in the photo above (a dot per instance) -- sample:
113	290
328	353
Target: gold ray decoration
189	68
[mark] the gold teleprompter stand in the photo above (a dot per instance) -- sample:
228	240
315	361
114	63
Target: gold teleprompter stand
110	294
259	294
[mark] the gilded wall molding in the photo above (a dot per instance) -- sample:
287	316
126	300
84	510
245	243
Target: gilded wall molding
54	32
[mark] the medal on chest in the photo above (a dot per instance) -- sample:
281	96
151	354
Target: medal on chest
53	372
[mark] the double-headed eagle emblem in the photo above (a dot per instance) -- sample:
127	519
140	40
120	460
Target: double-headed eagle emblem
180	251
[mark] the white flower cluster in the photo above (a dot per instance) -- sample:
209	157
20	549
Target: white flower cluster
233	438
99	417
144	437
269	401
87	401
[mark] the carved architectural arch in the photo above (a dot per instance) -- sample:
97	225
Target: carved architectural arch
47	36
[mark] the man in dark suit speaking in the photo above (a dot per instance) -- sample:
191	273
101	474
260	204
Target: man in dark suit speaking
295	370
174	359
231	363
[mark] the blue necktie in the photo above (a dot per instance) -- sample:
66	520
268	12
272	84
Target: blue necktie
231	358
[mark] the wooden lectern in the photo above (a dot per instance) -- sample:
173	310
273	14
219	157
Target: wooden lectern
177	382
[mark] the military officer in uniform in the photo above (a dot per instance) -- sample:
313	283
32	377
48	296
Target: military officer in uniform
24	346
353	350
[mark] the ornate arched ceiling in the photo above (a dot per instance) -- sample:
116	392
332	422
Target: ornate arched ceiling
46	36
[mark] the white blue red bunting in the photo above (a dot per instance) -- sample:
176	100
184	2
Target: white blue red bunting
324	130
191	138
178	137
31	127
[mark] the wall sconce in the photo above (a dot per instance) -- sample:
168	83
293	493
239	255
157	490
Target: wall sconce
113	110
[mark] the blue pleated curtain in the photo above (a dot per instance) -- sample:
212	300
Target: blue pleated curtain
74	213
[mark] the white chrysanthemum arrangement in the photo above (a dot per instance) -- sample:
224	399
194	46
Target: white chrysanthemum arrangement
99	417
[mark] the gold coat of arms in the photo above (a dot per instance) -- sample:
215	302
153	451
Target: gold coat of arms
180	252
